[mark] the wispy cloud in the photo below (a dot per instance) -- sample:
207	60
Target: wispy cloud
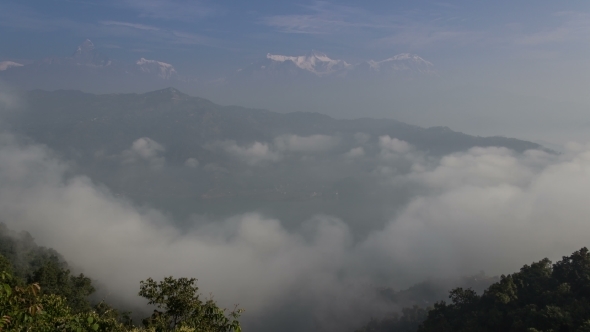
420	35
22	17
26	18
410	30
184	10
575	26
190	38
324	17
131	25
571	27
156	35
442	25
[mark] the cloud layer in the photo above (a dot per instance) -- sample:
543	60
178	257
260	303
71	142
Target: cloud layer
146	150
484	209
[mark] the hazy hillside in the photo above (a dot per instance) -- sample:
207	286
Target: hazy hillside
69	120
188	155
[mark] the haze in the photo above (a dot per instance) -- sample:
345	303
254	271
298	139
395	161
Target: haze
296	157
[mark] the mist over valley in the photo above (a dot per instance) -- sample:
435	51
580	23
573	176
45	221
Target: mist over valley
277	203
307	166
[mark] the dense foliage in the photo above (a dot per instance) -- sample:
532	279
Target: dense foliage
541	297
409	321
38	293
182	307
24	255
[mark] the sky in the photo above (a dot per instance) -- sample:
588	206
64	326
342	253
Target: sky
223	33
536	50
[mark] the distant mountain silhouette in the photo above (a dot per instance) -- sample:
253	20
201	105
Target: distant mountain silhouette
188	155
87	122
89	69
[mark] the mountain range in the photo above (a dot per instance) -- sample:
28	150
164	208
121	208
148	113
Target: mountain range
88	69
68	118
187	154
317	65
92	70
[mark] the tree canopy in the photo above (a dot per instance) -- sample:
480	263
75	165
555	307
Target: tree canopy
182	307
540	298
39	293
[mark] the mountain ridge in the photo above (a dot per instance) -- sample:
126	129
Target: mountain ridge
189	155
297	123
89	69
321	65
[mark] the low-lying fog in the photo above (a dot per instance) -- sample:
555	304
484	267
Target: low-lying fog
407	216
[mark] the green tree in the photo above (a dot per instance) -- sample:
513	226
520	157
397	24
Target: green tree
54	278
27	308
408	321
51	299
182	307
540	297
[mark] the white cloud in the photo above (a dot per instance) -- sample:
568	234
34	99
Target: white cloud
490	209
191	162
246	259
4	65
253	154
390	145
313	143
478	167
147	150
260	152
485	209
355	153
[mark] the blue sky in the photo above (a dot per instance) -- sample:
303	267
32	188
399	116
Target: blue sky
202	34
536	54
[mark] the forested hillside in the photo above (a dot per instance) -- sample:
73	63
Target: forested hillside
541	297
187	155
39	293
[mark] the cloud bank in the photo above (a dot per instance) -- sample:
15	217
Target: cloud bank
146	150
484	209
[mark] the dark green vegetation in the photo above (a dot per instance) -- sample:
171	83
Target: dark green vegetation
38	293
418	299
408	321
542	297
428	292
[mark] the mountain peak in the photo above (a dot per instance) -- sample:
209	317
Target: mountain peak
87	44
86	54
317	54
161	69
4	65
86	47
315	62
169	93
403	62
